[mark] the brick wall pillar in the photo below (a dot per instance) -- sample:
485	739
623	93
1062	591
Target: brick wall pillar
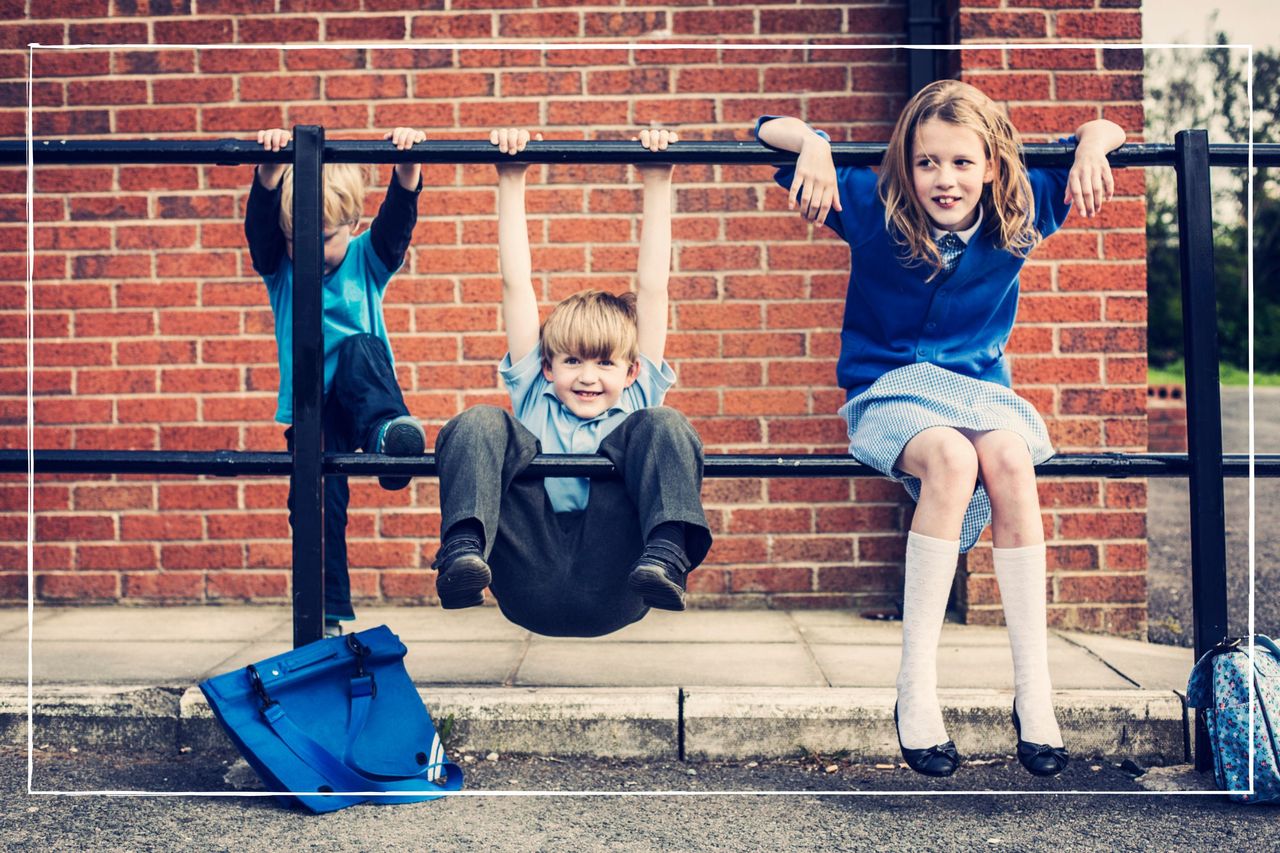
1079	348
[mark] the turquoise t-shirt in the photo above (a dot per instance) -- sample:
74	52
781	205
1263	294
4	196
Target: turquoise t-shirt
351	305
536	405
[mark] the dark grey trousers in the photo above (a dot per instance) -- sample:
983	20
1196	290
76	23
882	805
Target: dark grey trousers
565	574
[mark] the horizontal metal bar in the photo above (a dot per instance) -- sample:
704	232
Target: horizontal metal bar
229	152
235	463
218	463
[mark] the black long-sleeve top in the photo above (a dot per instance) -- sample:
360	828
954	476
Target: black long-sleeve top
389	233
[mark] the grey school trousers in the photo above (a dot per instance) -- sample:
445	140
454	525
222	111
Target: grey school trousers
565	574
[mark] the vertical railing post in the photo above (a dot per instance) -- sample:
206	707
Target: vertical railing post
307	479
1204	405
924	26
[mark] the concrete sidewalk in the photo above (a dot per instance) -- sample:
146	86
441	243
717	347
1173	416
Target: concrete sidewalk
701	684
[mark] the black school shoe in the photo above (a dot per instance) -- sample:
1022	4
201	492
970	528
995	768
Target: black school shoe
402	436
463	573
658	576
1039	759
938	761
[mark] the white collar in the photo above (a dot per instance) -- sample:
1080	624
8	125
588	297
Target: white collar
966	234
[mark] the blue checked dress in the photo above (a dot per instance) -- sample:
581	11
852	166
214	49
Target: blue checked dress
910	399
905	401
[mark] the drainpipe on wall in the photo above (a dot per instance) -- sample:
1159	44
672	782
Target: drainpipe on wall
929	22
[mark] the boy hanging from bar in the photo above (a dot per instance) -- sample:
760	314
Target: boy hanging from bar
363	404
569	556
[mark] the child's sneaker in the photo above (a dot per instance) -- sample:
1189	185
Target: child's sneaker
332	628
463	573
402	436
659	575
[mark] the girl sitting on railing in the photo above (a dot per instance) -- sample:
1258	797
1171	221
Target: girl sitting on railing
938	239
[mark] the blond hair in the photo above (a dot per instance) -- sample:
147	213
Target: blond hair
344	185
592	324
1007	205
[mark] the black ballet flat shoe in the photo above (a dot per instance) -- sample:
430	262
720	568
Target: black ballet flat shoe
940	760
1039	759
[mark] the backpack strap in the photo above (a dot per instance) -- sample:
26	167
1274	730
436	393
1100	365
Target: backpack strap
1200	684
1268	644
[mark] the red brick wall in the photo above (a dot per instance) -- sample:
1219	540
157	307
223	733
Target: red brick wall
1080	342
1167	419
153	332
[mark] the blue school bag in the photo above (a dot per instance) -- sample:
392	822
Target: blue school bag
335	716
1221	683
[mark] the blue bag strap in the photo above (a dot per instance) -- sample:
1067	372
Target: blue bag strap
342	777
363	691
363	688
1268	644
1200	682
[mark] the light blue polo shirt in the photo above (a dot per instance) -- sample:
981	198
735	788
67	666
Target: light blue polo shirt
537	407
351	305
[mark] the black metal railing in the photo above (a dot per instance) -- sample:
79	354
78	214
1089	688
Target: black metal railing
1204	465
235	152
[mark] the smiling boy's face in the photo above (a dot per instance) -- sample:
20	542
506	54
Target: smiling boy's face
336	242
949	168
589	387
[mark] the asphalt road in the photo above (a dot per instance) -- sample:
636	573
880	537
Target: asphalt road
805	821
1169	580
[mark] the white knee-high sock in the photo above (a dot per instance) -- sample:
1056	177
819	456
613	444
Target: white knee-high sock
931	566
1020	573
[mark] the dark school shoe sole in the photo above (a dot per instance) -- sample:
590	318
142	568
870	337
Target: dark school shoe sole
462	582
651	583
403	436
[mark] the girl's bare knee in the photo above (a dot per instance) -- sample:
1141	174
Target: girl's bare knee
952	458
1005	459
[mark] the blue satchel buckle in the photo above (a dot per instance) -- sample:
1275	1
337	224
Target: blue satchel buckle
258	687
1227	644
361	652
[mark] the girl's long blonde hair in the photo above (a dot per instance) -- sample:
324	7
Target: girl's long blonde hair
1007	205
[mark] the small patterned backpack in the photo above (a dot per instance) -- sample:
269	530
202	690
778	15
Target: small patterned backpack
1221	684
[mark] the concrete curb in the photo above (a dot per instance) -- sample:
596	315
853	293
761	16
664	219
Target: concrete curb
776	722
601	722
134	719
654	723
